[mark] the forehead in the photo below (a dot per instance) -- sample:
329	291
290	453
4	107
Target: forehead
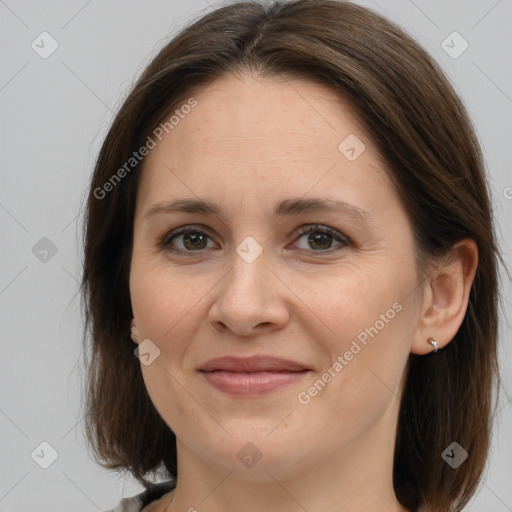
248	131
249	112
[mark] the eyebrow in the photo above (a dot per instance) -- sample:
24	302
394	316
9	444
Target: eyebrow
285	208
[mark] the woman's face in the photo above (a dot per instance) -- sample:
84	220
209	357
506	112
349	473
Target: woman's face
250	280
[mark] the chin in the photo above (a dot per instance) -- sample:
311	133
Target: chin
254	457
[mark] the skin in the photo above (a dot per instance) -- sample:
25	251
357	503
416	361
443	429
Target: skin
250	143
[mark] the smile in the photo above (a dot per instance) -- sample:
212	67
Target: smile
252	377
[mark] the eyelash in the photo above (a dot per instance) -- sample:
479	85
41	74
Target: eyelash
165	243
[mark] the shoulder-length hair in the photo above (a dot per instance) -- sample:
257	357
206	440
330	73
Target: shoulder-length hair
425	135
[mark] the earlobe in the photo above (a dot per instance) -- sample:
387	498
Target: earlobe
445	299
134	331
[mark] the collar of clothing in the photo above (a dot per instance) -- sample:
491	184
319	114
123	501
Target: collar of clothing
138	502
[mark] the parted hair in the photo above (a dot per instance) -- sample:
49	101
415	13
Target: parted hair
424	133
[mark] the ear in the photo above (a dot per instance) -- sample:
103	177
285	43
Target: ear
445	297
134	331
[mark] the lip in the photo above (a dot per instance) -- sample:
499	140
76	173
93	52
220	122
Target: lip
252	376
259	363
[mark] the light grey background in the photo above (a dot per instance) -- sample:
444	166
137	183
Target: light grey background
54	114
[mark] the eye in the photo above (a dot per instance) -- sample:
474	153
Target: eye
188	239
320	238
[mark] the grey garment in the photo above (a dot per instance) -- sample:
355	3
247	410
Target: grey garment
137	503
153	493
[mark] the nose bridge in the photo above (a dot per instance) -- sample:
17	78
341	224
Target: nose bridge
247	299
249	273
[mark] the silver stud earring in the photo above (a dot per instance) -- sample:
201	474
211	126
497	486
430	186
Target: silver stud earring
433	342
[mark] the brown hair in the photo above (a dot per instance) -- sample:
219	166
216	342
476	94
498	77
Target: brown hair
423	131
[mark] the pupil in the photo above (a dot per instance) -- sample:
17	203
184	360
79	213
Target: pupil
194	238
319	238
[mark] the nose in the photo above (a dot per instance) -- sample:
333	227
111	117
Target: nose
251	300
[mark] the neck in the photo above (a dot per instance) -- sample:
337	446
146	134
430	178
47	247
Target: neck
353	479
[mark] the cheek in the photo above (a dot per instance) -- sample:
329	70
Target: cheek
362	384
164	305
163	301
349	301
365	318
